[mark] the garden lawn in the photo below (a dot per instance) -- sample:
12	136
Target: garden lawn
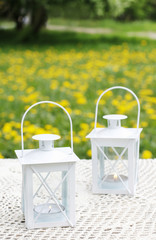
73	70
115	26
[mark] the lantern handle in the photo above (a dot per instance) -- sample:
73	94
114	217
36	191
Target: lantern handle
118	87
50	102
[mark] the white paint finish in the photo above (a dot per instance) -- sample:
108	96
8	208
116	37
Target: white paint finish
28	198
48	159
66	215
46	141
126	185
46	137
52	103
71	195
132	167
113	88
114	117
120	133
37	156
94	167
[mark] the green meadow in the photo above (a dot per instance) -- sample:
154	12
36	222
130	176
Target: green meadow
73	69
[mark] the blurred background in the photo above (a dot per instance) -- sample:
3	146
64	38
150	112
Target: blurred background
70	52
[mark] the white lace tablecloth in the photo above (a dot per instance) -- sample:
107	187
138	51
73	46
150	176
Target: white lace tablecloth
103	217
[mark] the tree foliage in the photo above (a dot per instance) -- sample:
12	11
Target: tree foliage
35	12
32	12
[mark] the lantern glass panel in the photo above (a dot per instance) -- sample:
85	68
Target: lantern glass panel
112	165
48	194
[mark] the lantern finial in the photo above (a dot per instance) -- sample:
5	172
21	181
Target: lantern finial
114	120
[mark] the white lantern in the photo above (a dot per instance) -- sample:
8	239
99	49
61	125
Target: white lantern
115	153
48	180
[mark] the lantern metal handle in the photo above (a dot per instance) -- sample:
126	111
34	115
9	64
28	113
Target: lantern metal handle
118	87
57	104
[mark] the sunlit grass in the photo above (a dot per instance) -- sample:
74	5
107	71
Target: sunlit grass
144	25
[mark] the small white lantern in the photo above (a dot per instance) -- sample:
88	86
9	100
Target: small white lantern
115	153
48	180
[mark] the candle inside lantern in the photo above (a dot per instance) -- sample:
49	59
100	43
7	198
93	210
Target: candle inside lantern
115	176
48	208
113	181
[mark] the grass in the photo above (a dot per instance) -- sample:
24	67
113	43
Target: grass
73	69
116	26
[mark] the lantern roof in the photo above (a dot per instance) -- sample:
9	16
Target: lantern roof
114	117
118	133
46	137
37	156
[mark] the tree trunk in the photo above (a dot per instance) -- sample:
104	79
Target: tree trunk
19	21
38	18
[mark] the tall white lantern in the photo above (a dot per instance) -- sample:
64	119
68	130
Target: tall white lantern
115	153
48	180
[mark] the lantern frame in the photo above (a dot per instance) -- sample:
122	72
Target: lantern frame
125	139
48	161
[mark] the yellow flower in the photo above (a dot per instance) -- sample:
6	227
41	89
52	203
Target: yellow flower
143	43
64	103
84	126
89	153
89	115
77	139
145	92
34	111
99	125
142	135
144	124
81	100
17	139
153	116
11	98
92	124
69	110
29	90
11	115
7	128
55	131
31	98
115	102
77	112
1	156
54	84
150	111
1	91
48	127
128	96
146	154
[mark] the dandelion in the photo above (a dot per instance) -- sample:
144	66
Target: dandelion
11	98
144	124
89	153
146	154
76	139
1	156
143	43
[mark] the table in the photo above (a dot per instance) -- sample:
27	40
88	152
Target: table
102	217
